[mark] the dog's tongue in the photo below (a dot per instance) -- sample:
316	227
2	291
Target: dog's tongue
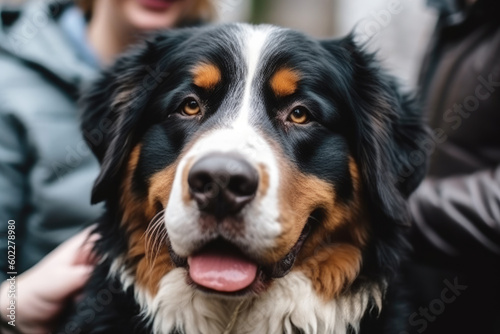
221	272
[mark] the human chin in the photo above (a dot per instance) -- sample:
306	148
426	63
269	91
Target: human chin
147	15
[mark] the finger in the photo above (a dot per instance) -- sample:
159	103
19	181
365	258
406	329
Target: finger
70	281
67	251
85	254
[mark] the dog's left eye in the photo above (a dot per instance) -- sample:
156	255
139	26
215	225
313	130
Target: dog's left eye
191	107
299	115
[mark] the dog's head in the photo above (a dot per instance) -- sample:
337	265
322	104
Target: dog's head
241	153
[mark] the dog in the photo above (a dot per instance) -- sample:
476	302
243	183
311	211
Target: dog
255	181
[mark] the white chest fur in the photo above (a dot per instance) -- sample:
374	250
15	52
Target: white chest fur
290	303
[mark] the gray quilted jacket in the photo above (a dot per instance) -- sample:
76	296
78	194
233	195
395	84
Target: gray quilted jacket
46	169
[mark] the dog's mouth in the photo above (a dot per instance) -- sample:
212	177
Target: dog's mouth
222	267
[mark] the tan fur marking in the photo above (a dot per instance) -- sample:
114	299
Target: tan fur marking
160	186
264	180
186	195
332	268
146	254
284	82
206	76
331	256
132	206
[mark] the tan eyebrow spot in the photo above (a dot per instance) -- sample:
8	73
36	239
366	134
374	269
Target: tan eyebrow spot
206	76
284	82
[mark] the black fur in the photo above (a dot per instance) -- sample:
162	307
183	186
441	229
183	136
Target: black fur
357	109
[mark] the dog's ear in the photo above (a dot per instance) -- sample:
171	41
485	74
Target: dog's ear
113	106
390	135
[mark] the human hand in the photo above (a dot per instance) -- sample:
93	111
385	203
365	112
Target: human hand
44	290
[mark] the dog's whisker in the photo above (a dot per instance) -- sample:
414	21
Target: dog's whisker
156	239
160	244
155	227
156	249
153	221
151	231
152	243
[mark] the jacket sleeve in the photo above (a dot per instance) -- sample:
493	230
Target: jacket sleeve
459	217
13	181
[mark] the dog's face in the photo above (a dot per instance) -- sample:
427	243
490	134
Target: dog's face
252	170
241	153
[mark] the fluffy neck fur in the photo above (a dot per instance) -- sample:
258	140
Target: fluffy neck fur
289	306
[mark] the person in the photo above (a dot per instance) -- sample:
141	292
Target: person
49	50
456	210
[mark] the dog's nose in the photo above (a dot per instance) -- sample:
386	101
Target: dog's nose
222	184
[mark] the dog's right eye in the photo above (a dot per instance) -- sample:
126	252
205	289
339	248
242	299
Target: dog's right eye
191	107
299	115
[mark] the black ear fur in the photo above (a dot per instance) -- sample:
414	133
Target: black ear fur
390	132
112	108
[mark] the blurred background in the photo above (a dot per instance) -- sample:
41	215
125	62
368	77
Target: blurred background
397	29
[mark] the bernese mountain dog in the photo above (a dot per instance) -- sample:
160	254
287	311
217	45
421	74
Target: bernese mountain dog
255	181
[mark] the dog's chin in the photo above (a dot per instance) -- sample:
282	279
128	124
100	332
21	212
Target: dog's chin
221	267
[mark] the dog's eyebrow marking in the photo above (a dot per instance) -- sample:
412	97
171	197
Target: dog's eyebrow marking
206	76
284	82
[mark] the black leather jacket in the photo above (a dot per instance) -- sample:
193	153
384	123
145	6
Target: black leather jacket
457	208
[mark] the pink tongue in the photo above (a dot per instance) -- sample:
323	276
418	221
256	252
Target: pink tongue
221	272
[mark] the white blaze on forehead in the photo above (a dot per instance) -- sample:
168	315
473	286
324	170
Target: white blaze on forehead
255	41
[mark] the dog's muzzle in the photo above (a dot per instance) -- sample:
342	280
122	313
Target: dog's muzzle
221	186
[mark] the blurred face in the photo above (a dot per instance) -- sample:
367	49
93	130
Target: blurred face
143	15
